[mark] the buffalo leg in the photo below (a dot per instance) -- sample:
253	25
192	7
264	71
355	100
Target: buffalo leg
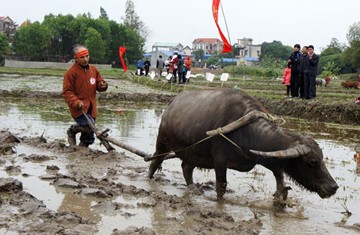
281	191
156	163
154	166
188	172
221	182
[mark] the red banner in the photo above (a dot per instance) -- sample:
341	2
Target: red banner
215	8
121	53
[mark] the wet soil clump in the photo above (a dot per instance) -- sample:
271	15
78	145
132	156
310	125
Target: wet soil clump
94	174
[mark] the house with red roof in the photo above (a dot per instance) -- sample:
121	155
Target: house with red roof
208	45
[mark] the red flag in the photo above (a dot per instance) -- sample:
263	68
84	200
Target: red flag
121	53
215	7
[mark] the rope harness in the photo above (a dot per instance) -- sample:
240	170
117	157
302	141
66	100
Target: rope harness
222	131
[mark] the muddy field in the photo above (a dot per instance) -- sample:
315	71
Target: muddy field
47	187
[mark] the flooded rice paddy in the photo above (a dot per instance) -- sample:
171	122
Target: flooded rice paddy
249	194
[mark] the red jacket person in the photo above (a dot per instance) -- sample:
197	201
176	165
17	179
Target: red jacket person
80	84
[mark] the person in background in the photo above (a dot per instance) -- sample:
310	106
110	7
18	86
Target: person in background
304	74
167	64
295	59
147	66
81	81
140	67
180	67
313	63
286	78
160	65
173	67
327	80
187	66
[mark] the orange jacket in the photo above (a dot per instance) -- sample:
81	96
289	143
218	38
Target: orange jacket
81	85
188	62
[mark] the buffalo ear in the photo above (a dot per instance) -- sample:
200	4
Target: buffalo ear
294	152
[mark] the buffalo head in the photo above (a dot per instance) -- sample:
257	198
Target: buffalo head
305	165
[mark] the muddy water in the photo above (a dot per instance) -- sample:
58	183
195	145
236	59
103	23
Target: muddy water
248	194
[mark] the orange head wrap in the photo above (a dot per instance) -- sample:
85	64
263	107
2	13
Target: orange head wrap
81	53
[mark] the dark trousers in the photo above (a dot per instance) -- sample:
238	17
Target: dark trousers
146	71
301	84
173	78
306	87
312	79
181	77
287	90
294	83
86	137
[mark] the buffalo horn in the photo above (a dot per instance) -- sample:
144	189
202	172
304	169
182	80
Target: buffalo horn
295	152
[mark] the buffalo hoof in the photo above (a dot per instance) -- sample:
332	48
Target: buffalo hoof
220	198
220	190
281	195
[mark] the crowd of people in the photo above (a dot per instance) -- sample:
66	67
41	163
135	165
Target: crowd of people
178	67
300	73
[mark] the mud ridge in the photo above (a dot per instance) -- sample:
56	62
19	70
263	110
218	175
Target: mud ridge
311	110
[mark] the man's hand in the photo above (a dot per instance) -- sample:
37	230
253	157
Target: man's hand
80	105
103	85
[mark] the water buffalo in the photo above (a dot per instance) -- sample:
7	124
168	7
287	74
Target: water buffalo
259	141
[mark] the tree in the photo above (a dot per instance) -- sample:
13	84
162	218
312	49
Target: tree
4	47
56	36
351	55
134	44
103	14
275	50
32	41
62	37
96	45
199	54
213	60
335	47
353	33
133	21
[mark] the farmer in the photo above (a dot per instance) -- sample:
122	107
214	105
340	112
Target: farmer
80	84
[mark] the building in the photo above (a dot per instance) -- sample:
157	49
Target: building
161	46
247	49
7	26
208	45
187	50
165	50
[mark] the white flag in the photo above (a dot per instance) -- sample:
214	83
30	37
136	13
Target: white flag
152	75
188	74
210	77
168	77
224	77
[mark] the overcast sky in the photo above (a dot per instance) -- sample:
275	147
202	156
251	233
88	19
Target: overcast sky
289	21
